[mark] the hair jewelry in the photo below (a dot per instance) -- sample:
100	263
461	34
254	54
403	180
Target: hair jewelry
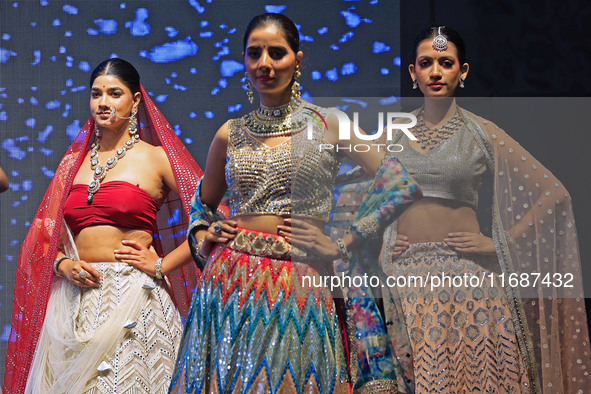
439	42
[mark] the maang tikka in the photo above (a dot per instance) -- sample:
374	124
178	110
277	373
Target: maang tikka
439	42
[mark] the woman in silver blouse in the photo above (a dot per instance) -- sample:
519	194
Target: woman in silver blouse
254	326
476	319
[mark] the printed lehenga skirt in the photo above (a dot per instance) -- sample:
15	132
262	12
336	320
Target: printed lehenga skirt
119	338
462	335
253	327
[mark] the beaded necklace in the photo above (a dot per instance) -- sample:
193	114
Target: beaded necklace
275	121
430	138
100	172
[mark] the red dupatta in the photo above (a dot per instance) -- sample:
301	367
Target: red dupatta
34	271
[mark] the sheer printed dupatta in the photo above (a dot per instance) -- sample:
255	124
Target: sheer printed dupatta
536	242
34	272
381	359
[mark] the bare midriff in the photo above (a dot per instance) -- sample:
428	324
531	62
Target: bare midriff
97	243
269	223
432	219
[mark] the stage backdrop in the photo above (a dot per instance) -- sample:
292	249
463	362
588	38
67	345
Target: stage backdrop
188	54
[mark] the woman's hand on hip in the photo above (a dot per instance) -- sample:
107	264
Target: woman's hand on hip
137	255
221	232
471	243
79	273
401	244
304	235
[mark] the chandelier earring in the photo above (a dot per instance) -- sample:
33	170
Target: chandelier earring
133	126
249	88
461	84
295	86
97	132
415	84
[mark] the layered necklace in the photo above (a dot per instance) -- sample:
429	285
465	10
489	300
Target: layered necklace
275	121
99	172
430	138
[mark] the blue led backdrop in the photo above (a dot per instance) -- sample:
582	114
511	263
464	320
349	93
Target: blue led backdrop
188	54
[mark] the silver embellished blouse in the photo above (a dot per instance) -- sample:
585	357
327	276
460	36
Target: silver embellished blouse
452	170
293	178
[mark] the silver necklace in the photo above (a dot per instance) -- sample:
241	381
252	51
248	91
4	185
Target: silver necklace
99	172
430	138
275	121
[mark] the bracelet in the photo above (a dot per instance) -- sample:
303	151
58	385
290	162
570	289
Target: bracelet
57	262
158	268
198	224
345	254
202	258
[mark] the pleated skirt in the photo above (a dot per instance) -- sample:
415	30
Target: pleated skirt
119	338
461	331
254	328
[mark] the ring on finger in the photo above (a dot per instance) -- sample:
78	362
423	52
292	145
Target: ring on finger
217	227
82	274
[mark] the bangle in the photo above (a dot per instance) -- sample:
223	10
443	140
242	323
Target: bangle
202	258
57	262
345	254
198	224
158	268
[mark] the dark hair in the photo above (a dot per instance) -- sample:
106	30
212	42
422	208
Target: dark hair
289	29
121	69
447	32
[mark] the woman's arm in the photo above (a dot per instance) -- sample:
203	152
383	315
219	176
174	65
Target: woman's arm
211	191
535	194
392	190
302	234
3	181
528	194
214	185
70	269
145	258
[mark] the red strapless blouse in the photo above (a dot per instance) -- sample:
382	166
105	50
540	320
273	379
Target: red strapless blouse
117	203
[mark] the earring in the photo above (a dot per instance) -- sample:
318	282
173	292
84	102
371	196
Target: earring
97	133
415	84
461	84
295	86
249	88
133	125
